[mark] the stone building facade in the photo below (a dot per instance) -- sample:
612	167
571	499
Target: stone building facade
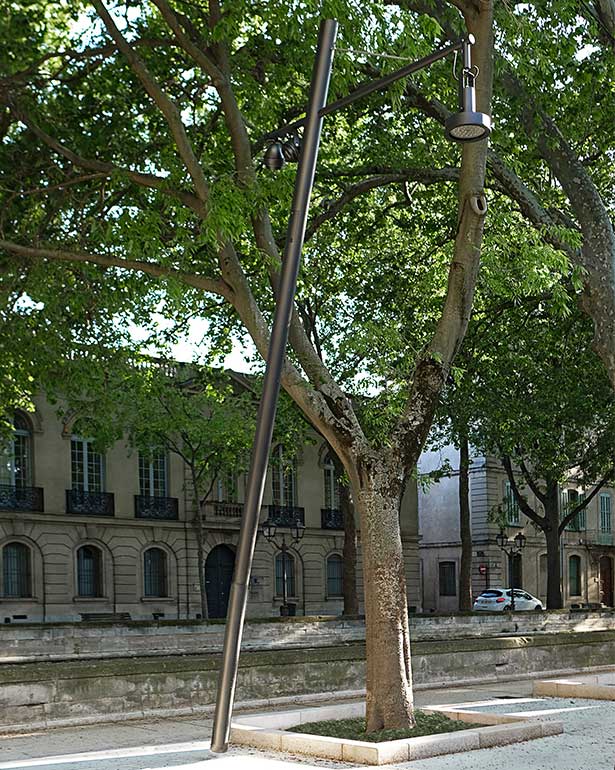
86	535
587	546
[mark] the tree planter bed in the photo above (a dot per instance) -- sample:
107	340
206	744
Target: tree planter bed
592	686
273	731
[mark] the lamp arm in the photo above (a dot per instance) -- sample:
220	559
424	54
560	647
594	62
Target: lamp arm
376	85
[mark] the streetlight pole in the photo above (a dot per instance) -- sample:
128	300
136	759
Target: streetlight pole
511	548
466	125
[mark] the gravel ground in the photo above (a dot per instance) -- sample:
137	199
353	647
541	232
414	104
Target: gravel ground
588	742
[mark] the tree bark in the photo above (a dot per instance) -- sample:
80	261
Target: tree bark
554	570
465	529
351	600
389	701
349	578
200	542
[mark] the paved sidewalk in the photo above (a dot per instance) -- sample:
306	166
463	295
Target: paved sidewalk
183	744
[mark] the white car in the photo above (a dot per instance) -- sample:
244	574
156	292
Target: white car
500	599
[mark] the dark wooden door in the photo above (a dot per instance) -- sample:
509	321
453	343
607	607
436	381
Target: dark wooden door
218	577
606	580
516	571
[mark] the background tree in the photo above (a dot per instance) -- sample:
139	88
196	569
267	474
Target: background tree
130	159
545	407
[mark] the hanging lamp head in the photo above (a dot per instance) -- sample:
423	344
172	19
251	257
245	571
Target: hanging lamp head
468	125
279	153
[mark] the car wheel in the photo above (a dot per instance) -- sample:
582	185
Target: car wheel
538	608
507	608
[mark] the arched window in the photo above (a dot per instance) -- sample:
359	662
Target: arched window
89	571
16	455
280	558
574	576
283	479
153	473
332	484
335	575
155	572
16	571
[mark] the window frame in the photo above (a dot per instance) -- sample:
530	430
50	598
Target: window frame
444	585
98	574
576	575
148	481
605	513
291	575
513	512
22	434
334	558
163	578
23	579
83	448
284	481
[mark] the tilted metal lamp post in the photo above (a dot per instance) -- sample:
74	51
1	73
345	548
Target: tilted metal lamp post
470	126
511	548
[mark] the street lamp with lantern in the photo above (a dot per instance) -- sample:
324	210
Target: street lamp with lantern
466	125
511	548
297	530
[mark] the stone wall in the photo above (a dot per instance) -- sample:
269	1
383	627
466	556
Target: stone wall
36	695
67	641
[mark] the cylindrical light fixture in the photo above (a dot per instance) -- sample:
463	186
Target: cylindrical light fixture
468	125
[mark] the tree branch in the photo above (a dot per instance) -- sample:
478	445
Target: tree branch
423	175
529	480
150	268
162	101
523	504
583	504
144	180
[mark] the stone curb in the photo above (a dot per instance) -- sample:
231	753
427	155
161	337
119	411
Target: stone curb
270	732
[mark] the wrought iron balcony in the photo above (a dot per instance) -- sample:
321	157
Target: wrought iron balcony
590	538
90	503
13	498
223	510
164	508
286	515
331	518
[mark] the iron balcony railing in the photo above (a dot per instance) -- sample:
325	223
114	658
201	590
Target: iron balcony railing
223	510
286	515
90	503
331	518
588	537
162	508
14	498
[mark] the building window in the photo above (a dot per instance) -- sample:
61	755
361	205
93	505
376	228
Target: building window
153	474
155	572
570	499
16	455
332	484
89	571
86	466
284	479
279	574
605	512
16	571
226	488
335	575
513	517
574	576
448	583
